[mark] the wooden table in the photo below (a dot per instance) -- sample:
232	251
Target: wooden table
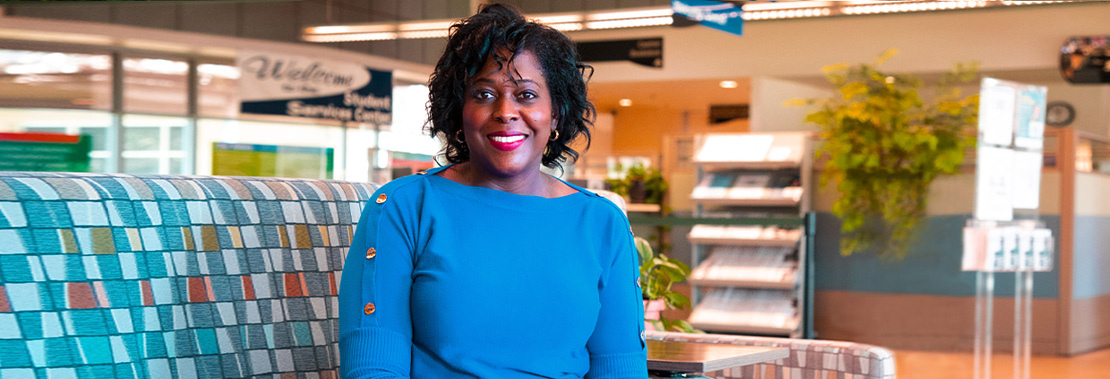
672	357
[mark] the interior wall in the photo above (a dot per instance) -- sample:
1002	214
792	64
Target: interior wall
769	114
654	132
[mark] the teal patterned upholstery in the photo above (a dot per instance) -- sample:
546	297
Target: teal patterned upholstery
119	276
808	359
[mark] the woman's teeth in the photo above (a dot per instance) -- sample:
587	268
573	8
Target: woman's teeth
507	139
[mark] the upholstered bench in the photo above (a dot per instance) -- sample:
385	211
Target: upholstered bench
119	276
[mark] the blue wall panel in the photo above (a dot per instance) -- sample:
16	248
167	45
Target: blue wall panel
932	267
1091	255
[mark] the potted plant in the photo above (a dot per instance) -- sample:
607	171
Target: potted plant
640	184
657	273
885	145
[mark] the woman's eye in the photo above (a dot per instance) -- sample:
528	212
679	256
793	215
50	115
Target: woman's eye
483	95
528	95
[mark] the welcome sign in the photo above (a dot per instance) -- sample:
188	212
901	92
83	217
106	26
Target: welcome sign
287	85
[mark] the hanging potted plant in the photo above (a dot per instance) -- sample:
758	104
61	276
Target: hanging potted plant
657	273
885	145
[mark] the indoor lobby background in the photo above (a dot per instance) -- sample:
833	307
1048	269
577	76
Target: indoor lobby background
175	63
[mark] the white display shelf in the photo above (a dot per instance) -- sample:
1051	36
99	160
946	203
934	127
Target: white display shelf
746	328
745	267
744	241
761	202
784	284
744	235
751	165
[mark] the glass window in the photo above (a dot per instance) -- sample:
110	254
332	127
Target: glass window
155	86
92	123
142	138
218	90
150	145
41	79
258	140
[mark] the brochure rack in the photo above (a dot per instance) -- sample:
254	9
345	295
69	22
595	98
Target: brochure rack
1007	178
752	278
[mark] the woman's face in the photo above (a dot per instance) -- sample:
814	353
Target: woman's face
507	117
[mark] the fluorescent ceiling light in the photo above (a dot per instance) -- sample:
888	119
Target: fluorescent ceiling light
789	5
729	84
558	18
645	17
621	15
626	102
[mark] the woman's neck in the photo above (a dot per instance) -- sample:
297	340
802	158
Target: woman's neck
531	183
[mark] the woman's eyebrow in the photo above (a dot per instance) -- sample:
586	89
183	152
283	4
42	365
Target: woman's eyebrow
512	80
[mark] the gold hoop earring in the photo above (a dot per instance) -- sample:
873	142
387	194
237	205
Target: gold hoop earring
555	137
459	136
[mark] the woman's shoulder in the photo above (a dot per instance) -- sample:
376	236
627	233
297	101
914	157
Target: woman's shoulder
403	187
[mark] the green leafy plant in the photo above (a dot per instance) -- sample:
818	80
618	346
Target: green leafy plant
651	178
658	273
885	145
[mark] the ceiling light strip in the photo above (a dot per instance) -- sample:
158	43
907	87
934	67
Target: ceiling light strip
646	17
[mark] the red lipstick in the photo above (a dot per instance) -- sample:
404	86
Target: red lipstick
507	140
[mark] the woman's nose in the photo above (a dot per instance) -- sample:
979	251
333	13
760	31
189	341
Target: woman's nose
506	110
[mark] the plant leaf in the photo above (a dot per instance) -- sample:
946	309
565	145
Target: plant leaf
886	55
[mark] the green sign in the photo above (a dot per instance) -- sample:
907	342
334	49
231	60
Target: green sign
236	159
44	152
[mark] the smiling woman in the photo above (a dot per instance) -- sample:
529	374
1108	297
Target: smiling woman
553	264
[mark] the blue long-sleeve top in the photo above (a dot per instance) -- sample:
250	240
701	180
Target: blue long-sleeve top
445	280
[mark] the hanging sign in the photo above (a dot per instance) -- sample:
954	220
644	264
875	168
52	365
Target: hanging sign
288	85
644	51
720	15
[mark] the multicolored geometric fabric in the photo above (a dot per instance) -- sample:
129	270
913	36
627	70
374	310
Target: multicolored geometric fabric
119	276
808	359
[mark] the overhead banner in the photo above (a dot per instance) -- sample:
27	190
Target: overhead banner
288	85
720	15
644	51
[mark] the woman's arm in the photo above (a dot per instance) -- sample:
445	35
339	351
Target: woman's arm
617	348
375	327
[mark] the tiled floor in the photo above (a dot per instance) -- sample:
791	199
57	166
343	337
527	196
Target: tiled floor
937	365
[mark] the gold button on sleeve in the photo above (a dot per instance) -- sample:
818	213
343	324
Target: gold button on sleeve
369	308
381	198
371	252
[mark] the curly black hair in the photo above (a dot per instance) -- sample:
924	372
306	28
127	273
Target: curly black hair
474	40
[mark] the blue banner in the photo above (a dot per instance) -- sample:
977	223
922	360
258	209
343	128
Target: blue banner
276	84
720	15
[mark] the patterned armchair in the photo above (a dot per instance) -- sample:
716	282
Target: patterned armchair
120	276
808	359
